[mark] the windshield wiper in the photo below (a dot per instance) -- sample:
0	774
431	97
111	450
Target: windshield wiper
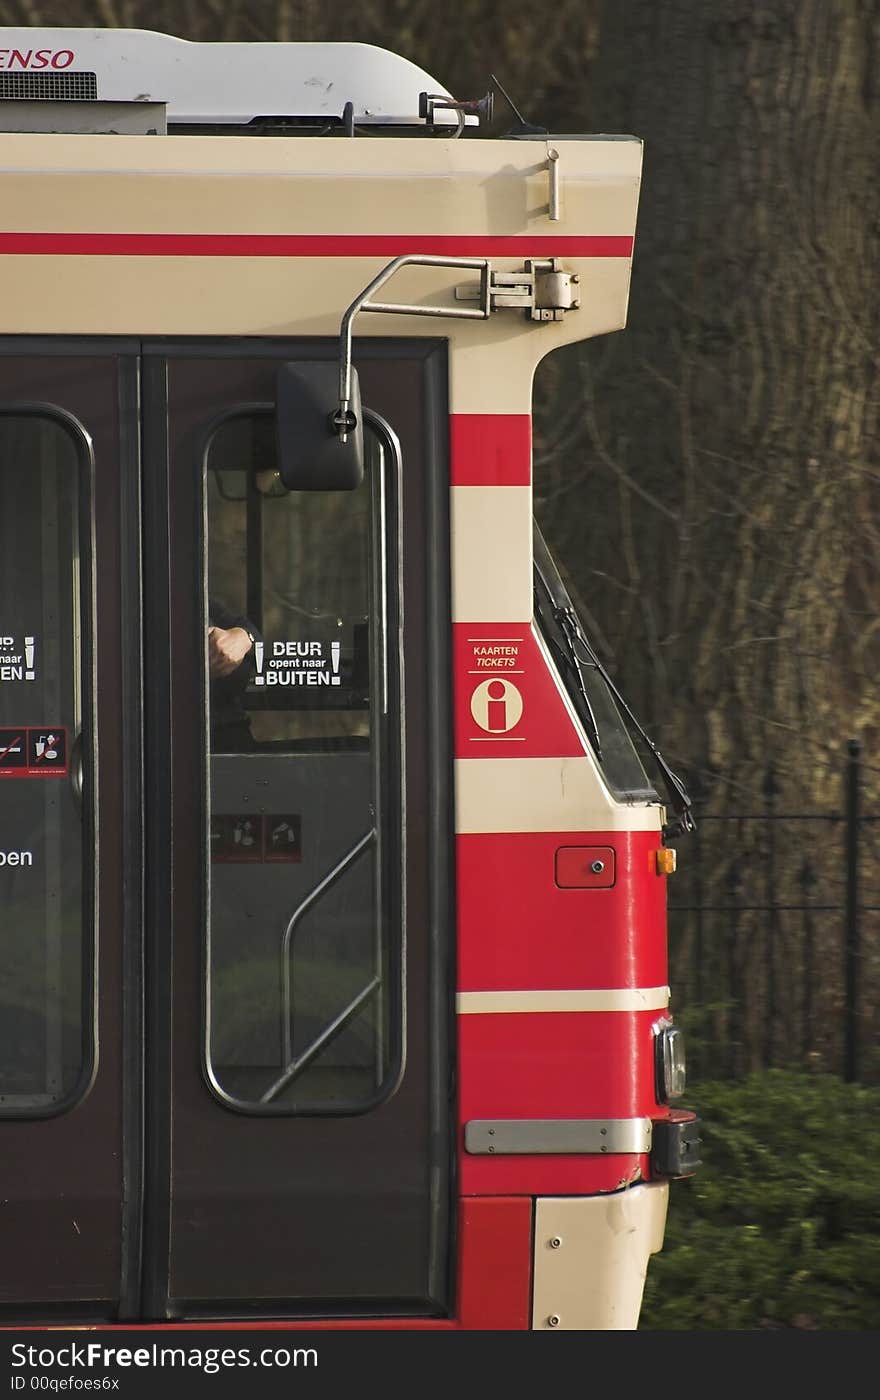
574	637
570	661
680	799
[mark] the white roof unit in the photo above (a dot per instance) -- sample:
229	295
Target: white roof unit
218	83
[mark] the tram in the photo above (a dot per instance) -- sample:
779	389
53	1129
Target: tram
333	866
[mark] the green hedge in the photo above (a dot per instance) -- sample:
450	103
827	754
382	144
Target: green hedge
780	1227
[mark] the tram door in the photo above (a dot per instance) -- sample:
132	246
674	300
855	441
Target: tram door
225	1028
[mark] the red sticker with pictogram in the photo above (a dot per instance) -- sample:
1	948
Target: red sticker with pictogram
33	753
506	698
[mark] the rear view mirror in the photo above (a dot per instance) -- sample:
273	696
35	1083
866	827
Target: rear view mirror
312	455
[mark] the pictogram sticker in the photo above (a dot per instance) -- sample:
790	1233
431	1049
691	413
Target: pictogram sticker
497	706
255	839
283	837
47	753
237	838
13	751
33	753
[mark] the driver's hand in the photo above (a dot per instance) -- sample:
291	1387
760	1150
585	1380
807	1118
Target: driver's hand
227	648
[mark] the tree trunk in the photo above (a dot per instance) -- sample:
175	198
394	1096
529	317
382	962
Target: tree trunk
727	454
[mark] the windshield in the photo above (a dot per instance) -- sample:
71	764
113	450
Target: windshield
589	693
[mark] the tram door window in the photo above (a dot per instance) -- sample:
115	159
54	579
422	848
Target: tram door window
301	967
45	927
70	860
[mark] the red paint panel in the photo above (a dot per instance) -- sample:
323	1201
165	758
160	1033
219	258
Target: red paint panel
592	1064
552	1175
494	1264
557	1064
490	449
293	245
517	930
506	702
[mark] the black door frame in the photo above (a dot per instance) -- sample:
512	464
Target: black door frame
143	615
159	720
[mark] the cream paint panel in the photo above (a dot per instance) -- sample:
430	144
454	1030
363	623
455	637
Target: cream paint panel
491	553
183	295
613	163
500	381
392	187
541	794
492	364
365	201
362	202
611	999
594	1278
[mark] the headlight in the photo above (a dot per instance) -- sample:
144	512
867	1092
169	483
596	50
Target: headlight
669	1062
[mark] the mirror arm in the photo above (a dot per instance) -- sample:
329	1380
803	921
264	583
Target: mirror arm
344	418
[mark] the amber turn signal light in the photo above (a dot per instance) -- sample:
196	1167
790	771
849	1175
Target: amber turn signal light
665	861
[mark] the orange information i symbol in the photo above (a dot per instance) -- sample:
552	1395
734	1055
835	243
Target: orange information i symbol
497	706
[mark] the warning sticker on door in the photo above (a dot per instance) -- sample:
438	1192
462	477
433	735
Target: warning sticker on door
287	662
18	658
33	753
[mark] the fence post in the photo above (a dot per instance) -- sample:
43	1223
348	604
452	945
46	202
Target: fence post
699	928
771	927
851	949
734	1049
808	1031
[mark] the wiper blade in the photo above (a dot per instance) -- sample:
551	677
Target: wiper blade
571	662
682	804
577	653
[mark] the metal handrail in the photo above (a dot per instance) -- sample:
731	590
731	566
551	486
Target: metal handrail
292	1064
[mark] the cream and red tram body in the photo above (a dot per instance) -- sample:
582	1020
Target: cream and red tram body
335	985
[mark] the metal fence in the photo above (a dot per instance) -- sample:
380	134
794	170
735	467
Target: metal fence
774	935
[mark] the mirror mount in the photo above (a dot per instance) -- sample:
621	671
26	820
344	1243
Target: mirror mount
343	415
319	422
